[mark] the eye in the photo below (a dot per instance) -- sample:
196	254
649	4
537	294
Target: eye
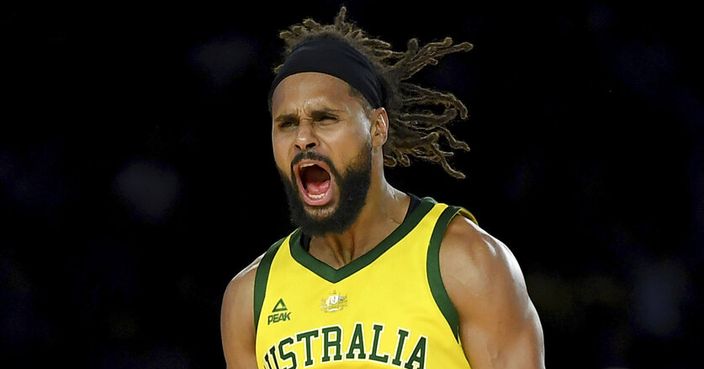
286	123
327	118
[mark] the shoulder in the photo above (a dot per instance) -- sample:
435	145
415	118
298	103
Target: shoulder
497	320
237	318
474	264
238	298
466	240
239	292
244	278
237	321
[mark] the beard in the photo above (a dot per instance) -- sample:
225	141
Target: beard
353	187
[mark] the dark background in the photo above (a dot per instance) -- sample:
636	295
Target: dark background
136	176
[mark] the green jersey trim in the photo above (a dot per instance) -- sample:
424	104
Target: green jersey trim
261	279
442	299
333	275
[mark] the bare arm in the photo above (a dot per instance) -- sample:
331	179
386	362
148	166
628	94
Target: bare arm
237	320
499	326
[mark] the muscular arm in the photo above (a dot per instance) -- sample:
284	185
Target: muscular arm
499	326
237	320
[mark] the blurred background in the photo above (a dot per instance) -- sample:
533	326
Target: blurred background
136	176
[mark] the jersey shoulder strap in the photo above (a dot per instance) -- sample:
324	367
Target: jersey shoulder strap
437	287
261	279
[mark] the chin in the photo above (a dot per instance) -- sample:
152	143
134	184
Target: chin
320	212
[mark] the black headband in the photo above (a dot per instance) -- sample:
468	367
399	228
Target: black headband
336	58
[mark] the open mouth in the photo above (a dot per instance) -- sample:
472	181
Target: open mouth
314	182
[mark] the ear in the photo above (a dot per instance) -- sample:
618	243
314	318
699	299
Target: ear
380	127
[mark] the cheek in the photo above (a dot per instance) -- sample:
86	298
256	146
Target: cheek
357	141
280	151
348	151
349	139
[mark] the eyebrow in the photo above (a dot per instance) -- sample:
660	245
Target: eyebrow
315	114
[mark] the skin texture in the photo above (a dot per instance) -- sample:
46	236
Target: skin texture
499	326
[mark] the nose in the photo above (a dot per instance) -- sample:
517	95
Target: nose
305	138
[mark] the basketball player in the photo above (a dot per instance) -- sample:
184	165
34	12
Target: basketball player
372	277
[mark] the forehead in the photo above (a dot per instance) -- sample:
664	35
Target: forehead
310	89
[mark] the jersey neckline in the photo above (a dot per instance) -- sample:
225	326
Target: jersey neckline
333	275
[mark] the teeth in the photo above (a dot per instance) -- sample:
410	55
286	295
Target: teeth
307	165
316	197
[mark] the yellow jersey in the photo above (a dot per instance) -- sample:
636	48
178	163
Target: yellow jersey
386	309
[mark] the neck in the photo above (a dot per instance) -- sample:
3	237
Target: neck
384	210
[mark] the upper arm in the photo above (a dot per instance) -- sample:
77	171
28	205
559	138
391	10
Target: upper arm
237	320
499	326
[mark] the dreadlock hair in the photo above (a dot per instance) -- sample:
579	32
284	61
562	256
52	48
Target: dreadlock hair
415	130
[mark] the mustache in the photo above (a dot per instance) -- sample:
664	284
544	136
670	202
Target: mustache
312	155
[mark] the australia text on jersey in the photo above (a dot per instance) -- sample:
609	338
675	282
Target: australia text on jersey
358	347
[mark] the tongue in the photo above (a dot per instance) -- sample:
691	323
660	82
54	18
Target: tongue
316	188
317	180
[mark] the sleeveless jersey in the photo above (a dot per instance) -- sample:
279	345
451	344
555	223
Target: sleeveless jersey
386	309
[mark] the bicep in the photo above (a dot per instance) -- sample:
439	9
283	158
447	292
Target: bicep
499	326
237	322
502	338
